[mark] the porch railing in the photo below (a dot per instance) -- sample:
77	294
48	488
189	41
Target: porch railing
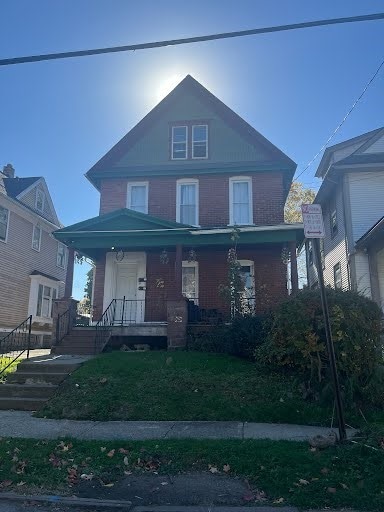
63	325
104	326
200	312
15	344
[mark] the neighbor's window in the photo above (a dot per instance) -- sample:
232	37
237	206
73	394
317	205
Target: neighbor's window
190	280
333	219
4	216
40	199
322	252
337	275
45	296
179	142
187	210
61	255
310	253
200	141
240	200
138	197
36	238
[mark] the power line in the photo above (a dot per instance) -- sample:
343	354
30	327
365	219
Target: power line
188	40
343	120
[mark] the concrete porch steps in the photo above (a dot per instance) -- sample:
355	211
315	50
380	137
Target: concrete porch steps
80	341
35	381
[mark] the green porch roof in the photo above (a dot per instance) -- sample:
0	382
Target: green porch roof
129	230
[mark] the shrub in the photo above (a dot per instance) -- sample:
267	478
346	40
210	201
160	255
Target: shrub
297	340
240	338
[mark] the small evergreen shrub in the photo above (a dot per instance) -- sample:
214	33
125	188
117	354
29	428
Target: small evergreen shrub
297	341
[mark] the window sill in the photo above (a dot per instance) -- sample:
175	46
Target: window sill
42	320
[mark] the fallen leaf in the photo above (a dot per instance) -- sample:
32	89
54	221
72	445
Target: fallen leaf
303	482
164	483
123	450
313	449
324	471
19	484
111	453
332	490
107	485
226	468
125	460
103	380
127	473
279	501
344	486
84	476
6	483
212	469
260	496
103	449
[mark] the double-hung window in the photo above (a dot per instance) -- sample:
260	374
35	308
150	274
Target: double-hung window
45	296
61	255
337	276
4	216
179	142
333	219
138	197
200	141
40	200
240	201
187	199
36	238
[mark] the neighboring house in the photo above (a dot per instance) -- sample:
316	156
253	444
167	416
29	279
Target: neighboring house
171	192
352	198
32	262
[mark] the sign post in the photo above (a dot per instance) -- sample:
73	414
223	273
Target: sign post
314	230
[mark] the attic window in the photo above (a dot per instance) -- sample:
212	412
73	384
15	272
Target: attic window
200	141
40	199
189	141
179	142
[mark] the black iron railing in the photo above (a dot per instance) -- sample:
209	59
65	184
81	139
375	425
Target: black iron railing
104	327
63	325
200	312
15	344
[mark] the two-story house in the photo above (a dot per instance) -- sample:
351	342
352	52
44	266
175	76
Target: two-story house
352	199
32	262
171	192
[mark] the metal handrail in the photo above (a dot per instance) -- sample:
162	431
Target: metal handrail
63	325
15	343
104	326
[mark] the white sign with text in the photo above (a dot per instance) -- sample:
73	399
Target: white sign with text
313	221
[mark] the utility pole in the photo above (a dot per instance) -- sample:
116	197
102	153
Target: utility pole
314	230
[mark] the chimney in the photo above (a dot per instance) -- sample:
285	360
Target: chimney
9	171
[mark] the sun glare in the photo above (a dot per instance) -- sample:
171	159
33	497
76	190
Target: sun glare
167	84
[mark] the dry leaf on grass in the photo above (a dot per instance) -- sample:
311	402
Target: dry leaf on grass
111	453
213	469
332	490
126	461
303	482
279	501
123	450
226	468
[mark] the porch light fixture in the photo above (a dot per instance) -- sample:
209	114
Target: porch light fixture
285	255
164	258
120	255
192	256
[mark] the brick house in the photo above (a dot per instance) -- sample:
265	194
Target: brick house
171	192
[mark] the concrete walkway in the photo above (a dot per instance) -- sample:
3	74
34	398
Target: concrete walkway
23	424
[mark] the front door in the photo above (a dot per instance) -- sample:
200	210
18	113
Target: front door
128	308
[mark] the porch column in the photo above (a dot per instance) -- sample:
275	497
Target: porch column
294	274
178	272
69	276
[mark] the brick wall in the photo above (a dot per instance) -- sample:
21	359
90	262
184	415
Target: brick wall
267	189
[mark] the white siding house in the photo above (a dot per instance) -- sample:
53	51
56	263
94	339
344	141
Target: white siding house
352	196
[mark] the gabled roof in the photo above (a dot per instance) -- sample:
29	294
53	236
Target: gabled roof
188	85
365	139
372	235
15	186
123	219
363	158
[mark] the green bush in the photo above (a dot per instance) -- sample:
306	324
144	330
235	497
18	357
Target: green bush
240	338
297	341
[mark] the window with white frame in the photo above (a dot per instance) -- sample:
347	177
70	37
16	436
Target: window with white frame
190	280
40	200
187	202
138	197
247	278
240	200
200	141
337	276
45	297
179	142
4	217
61	255
36	238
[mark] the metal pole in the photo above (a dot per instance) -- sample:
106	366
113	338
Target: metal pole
29	334
122	311
330	347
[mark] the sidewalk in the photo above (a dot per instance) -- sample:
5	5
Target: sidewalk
23	424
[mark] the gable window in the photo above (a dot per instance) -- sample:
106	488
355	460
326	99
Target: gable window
190	280
200	141
187	209
4	216
333	219
61	255
36	238
45	296
138	197
337	276
40	200
179	142
240	200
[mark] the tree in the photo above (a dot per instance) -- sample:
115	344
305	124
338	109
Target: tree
297	196
89	285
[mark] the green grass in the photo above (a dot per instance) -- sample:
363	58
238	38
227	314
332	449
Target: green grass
182	386
342	476
9	368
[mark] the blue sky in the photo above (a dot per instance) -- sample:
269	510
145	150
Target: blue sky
58	118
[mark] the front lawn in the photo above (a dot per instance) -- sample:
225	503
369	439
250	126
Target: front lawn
283	472
182	386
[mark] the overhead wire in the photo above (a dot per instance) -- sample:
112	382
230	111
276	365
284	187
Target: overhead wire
189	40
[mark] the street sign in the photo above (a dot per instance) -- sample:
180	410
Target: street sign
313	221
